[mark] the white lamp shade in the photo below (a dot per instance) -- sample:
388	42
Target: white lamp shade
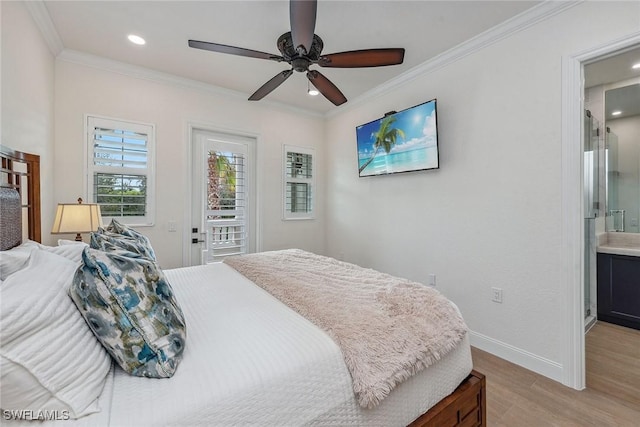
76	218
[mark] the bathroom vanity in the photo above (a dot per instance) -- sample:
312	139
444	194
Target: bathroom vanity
619	279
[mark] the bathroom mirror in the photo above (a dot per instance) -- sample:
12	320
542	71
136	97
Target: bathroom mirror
622	158
612	106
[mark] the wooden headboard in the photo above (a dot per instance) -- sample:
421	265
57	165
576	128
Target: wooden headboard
20	175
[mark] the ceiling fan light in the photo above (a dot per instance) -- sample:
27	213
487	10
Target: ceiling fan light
312	90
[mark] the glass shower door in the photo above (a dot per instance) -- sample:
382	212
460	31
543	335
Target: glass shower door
591	203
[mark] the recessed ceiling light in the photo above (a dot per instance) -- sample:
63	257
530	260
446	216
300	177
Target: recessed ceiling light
136	39
616	113
636	66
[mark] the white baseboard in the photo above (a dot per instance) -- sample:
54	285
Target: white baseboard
535	363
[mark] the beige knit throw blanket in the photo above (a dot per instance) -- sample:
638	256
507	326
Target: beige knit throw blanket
387	328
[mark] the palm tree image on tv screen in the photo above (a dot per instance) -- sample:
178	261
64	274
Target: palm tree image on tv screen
399	142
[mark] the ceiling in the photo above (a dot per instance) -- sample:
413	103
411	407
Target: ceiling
424	28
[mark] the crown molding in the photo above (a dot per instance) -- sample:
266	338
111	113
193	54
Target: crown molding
40	15
493	35
144	73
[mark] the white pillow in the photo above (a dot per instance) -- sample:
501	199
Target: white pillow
62	242
49	358
71	252
15	259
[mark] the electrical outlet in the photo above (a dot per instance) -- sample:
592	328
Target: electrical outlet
172	226
432	280
496	295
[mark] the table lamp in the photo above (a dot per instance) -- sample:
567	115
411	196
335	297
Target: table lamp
77	218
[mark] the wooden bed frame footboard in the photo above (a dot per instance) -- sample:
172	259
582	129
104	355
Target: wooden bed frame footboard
466	406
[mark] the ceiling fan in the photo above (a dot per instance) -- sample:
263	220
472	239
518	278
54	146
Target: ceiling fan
301	48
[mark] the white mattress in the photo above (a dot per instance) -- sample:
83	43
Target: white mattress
250	360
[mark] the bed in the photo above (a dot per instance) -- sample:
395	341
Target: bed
250	359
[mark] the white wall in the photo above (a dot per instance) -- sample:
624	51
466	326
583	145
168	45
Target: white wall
594	102
491	216
27	97
83	89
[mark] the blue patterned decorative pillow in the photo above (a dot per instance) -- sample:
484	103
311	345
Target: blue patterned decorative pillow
130	307
106	241
125	230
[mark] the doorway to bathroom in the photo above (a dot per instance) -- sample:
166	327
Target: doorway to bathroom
611	169
611	190
573	222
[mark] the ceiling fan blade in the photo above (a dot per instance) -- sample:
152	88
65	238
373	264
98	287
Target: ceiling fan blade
328	89
363	58
266	88
223	48
302	14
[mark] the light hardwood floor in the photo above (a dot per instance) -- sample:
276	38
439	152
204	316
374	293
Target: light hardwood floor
518	397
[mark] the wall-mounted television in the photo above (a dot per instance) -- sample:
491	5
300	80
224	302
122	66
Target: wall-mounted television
401	141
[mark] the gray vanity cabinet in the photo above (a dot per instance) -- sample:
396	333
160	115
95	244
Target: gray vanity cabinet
619	289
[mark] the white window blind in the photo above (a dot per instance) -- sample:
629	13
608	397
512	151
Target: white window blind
120	169
299	182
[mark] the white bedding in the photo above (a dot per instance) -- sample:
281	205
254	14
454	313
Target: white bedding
250	360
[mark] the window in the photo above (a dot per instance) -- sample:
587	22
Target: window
120	169
299	182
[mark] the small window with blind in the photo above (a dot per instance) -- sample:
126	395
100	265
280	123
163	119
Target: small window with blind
120	169
299	182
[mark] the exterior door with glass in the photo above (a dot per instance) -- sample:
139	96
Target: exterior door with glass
222	210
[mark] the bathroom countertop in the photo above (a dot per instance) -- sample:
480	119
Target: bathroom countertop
618	250
619	243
